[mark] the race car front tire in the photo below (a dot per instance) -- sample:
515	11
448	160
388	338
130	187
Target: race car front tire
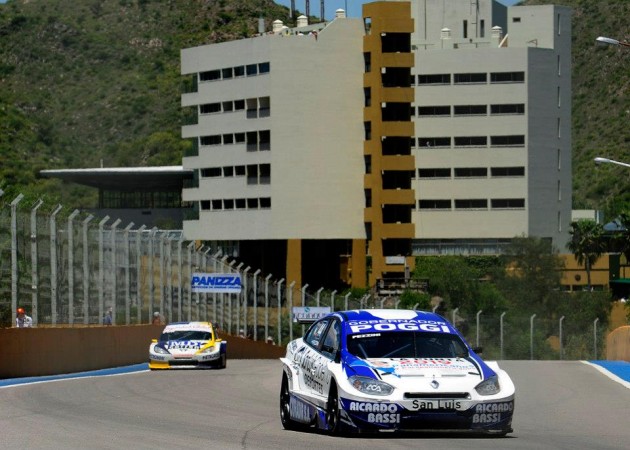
285	406
222	364
333	422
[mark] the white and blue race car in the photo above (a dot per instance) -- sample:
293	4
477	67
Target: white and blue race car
188	345
391	370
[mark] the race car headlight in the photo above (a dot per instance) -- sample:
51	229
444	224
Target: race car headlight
207	350
489	386
370	386
158	349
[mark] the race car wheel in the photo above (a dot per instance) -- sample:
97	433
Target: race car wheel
285	407
223	363
332	411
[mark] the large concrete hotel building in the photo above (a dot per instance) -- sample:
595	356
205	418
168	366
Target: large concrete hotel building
334	153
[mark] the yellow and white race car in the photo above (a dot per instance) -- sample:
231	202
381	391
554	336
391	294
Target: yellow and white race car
188	345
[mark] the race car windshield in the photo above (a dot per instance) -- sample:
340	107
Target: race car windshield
186	335
406	344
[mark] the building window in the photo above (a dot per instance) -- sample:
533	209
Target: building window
424	111
228	204
465	29
227	73
471	172
434	173
239	71
367	95
367	25
434	142
228	171
367	159
507	77
239	138
367	60
368	197
211	140
470	110
210	75
434	204
440	78
471	141
368	130
507	108
482	30
239	171
228	106
251	70
210	108
211	172
507	203
228	139
264	142
264	67
507	141
265	202
473	203
252	203
471	78
265	174
216	205
239	105
516	19
240	203
507	171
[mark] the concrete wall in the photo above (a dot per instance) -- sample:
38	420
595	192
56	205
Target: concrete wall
53	351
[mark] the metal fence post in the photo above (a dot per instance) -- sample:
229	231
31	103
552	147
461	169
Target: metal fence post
190	272
238	300
86	270
215	262
168	300
162	275
230	305
127	274
71	267
114	275
34	265
245	299
53	265
304	301
478	314
332	300
101	271
255	305
501	331
454	316
560	338
280	311
151	279
290	305
222	295
180	277
319	291
139	237
14	258
346	301
267	305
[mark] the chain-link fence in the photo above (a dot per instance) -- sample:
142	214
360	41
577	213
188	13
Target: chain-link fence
68	268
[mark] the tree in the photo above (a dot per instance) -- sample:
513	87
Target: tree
622	238
587	244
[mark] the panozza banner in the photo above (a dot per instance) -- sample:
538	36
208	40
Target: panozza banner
225	283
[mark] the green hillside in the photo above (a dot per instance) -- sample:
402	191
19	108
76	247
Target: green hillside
85	82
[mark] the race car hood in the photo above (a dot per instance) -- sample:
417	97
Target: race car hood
388	368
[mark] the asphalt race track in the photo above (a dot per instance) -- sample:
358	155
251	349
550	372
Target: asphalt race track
559	405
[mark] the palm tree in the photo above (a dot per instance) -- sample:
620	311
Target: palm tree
586	244
622	237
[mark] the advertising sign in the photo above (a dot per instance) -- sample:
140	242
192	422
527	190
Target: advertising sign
229	283
309	313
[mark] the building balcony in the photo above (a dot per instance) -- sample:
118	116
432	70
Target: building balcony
397	230
398	196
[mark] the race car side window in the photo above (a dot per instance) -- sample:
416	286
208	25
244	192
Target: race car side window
316	333
332	340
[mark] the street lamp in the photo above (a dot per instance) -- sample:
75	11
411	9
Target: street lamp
600	160
610	41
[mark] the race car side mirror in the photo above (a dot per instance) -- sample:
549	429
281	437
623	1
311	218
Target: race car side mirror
478	350
154	341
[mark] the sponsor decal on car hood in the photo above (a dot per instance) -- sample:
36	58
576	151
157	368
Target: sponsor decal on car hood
423	366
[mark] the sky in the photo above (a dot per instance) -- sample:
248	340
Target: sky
352	7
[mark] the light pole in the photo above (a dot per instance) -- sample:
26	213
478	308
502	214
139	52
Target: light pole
600	160
610	41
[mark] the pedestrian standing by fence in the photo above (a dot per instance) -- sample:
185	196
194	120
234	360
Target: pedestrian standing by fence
22	320
109	319
157	320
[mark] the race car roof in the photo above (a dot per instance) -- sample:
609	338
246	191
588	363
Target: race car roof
394	320
180	326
